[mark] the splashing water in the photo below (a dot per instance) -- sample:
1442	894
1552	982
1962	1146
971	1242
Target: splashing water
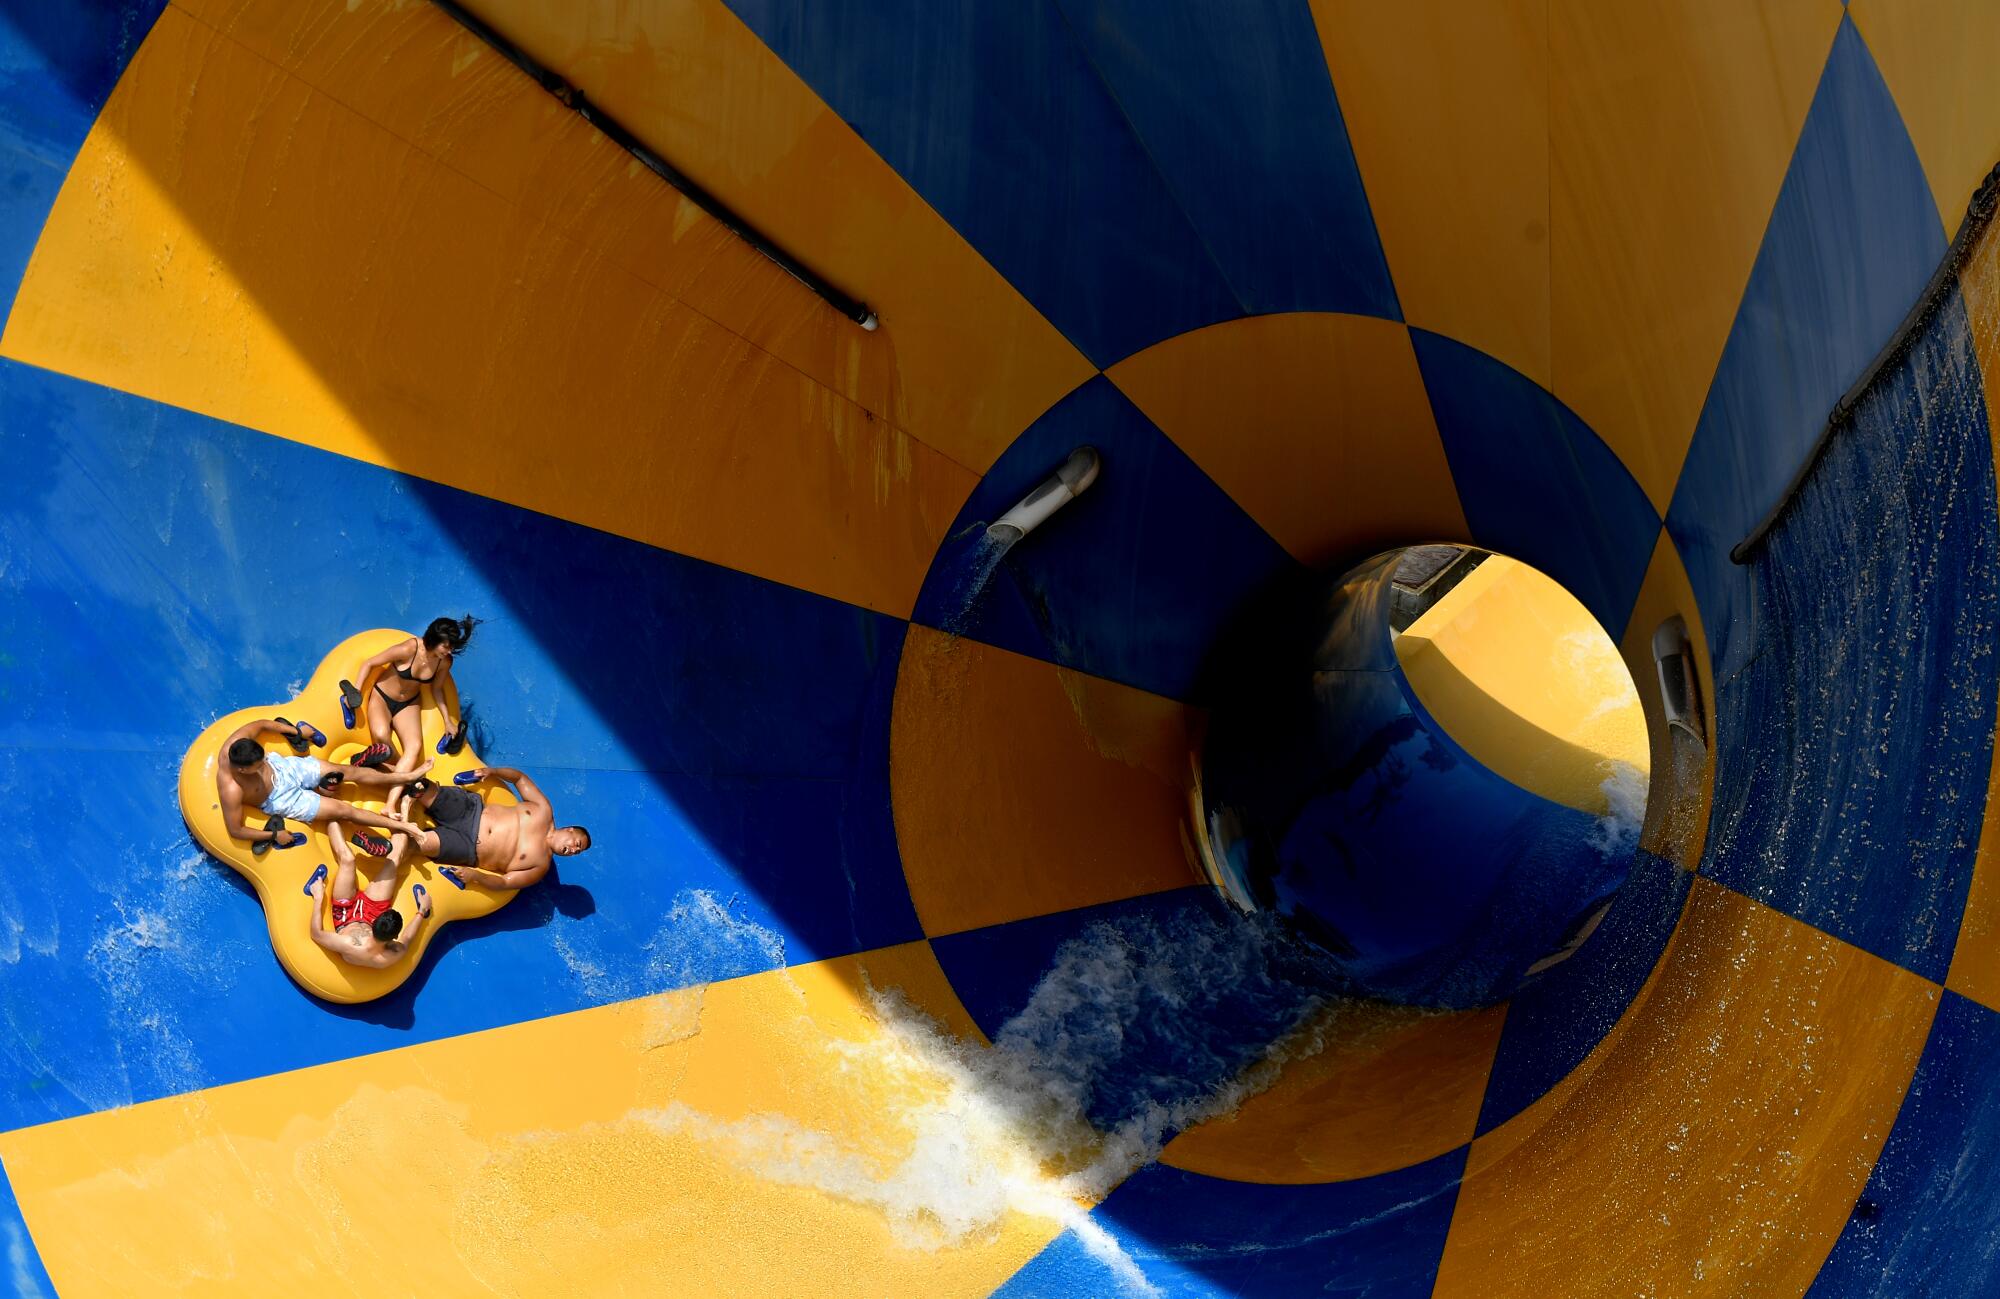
1138	1029
1617	831
153	937
702	934
19	1274
976	567
1593	661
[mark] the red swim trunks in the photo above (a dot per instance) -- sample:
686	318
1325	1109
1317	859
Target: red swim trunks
359	909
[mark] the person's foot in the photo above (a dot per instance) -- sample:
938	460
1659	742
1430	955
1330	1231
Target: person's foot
373	845
418	771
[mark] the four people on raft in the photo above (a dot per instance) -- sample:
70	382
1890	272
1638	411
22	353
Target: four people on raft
498	848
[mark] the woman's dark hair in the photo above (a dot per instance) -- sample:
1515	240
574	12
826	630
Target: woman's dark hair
388	925
246	753
454	632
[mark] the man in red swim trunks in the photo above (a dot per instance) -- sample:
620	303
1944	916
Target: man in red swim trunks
367	930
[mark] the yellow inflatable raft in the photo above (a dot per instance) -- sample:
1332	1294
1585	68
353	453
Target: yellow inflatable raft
280	874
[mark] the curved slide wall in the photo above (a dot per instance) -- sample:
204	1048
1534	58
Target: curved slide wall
891	969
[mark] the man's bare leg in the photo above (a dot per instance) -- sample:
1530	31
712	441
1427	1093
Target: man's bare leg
389	874
343	860
369	778
335	809
426	842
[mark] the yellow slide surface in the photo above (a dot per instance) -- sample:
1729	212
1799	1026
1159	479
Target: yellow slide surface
895	966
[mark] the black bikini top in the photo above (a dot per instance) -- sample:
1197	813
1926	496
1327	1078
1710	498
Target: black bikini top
404	672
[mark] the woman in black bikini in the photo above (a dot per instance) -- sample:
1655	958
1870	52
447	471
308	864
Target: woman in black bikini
393	706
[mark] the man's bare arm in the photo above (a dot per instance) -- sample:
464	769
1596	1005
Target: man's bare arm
258	834
232	810
251	730
501	881
521	879
530	792
319	934
408	938
232	820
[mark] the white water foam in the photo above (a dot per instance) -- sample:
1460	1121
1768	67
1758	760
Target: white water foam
704	937
19	1272
1590	657
122	957
11	933
1617	831
988	1131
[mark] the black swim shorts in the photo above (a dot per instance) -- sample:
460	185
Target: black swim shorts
456	812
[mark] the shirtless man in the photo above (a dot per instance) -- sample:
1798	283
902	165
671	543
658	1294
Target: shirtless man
288	788
367	931
492	847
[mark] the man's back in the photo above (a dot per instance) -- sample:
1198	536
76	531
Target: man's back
359	946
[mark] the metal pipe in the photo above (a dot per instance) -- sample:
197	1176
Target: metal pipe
1680	687
578	102
1067	483
1979	214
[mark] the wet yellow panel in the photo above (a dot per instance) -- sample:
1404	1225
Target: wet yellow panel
1719	1143
1670	128
1682	757
1975	961
1521	675
1318	425
427	80
692	81
232	241
1447	107
610	1151
1386	1087
962	360
1633	1019
1937	58
1023	789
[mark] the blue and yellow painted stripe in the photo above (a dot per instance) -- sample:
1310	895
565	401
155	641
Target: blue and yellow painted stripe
707	512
